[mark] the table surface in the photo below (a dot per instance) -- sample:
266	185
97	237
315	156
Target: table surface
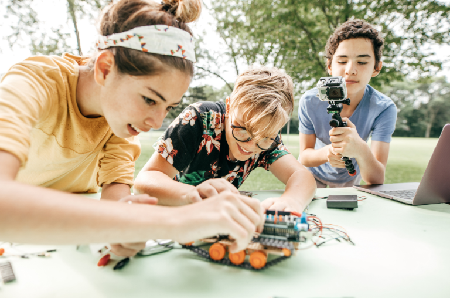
400	251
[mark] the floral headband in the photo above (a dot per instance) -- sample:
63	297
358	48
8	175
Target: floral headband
158	39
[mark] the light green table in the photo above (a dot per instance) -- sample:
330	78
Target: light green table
401	251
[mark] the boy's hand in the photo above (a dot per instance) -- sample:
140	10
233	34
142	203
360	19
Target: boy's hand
131	249
226	213
282	204
335	160
210	188
346	140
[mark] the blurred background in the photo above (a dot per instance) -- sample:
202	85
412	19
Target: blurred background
289	34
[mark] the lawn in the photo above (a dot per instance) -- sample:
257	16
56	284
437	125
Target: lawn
408	158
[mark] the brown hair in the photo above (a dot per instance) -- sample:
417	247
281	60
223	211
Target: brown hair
265	97
355	29
128	14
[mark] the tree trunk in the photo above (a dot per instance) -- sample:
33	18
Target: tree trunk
430	123
71	8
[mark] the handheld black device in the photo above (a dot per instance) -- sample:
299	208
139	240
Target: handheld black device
334	90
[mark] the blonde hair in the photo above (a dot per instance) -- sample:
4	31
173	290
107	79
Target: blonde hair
265	97
124	15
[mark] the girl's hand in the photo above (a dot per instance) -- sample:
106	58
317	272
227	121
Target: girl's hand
131	249
208	189
225	213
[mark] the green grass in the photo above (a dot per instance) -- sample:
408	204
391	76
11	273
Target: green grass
408	158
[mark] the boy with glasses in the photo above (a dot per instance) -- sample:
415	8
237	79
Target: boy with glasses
211	140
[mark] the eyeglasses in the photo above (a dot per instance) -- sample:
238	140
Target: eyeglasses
242	135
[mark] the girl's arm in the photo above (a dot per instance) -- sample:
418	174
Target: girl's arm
300	185
30	214
120	191
115	191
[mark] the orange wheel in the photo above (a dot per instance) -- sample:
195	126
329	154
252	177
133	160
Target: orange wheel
258	259
237	258
217	251
286	252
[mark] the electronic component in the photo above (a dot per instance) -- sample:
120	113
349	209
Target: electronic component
6	272
121	264
342	201
246	193
104	260
332	88
283	232
156	246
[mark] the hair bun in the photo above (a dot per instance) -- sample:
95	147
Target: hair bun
185	11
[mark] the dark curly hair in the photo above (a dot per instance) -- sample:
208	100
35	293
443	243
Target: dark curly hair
355	29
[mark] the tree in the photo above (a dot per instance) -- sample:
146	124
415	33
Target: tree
291	34
30	31
200	93
423	106
209	62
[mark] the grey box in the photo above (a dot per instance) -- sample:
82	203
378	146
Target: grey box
342	201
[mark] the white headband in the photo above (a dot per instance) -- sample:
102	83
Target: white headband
158	39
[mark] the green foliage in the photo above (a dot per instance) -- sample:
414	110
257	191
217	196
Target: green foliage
200	93
209	62
31	32
424	106
27	32
292	34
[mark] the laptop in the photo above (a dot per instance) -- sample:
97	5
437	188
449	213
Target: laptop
434	188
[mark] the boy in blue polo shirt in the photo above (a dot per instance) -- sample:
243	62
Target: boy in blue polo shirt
354	52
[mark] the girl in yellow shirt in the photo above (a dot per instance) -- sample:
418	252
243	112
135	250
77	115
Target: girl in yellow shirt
69	124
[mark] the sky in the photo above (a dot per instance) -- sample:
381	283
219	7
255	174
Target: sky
54	13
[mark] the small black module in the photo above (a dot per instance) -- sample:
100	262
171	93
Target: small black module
342	201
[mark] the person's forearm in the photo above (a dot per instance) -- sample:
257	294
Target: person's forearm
30	214
372	171
161	186
115	191
313	158
301	186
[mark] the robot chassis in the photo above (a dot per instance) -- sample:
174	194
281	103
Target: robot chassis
282	234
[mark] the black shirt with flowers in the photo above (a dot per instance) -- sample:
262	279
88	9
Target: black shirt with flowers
195	144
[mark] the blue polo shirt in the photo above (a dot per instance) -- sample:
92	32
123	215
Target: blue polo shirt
374	117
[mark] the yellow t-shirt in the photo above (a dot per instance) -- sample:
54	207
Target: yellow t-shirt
57	146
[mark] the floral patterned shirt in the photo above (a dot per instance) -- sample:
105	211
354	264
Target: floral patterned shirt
195	144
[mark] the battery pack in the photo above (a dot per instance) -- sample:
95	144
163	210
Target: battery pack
342	201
